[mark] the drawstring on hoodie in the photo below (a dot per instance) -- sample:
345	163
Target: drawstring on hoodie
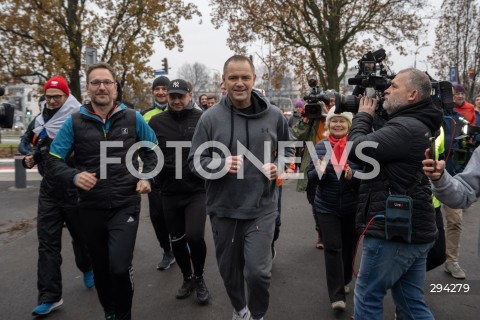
231	130
234	230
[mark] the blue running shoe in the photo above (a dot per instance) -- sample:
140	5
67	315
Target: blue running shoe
46	308
88	279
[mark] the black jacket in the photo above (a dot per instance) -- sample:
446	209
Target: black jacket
402	142
333	196
84	133
173	126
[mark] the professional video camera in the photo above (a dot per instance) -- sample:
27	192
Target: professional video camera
442	95
314	109
7	112
372	73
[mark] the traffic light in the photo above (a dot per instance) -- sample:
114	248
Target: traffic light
165	65
471	73
28	112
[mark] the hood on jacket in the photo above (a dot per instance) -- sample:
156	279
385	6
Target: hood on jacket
258	102
425	111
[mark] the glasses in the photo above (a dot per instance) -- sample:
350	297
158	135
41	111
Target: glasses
56	97
97	83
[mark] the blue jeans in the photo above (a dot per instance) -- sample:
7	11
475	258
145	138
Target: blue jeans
398	266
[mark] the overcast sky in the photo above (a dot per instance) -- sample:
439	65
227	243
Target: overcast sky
202	43
205	44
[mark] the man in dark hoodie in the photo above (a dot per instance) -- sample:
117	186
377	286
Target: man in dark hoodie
235	148
395	206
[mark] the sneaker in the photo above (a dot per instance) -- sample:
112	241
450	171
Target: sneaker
274	252
46	308
167	261
187	288
454	269
347	289
201	291
88	279
339	305
237	316
110	317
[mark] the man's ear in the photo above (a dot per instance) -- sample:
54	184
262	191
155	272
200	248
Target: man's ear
413	96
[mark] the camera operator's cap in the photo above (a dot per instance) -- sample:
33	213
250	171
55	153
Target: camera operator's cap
458	88
299	103
178	86
331	113
161	81
57	82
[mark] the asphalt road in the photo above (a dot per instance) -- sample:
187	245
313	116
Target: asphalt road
298	288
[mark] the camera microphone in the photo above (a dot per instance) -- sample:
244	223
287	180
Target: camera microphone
2	91
356	81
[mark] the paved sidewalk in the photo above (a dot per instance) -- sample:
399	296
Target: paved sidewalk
298	289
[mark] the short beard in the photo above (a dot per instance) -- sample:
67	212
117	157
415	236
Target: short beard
391	106
110	102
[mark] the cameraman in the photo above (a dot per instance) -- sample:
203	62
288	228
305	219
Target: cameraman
310	129
396	261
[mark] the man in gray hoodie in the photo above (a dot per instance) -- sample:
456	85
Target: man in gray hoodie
235	147
459	191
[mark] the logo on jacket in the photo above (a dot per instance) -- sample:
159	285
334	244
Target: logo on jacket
124	130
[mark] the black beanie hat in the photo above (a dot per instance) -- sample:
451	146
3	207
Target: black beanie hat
160	81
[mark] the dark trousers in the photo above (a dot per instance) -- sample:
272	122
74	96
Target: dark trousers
52	214
339	239
244	256
278	219
111	235
157	215
186	216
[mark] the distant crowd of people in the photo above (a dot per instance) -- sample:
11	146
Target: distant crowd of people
238	186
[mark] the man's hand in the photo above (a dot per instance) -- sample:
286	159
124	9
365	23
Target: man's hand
433	169
85	180
29	162
368	105
233	163
270	170
143	186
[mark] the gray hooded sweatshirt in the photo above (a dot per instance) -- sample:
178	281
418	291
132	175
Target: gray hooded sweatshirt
228	195
463	189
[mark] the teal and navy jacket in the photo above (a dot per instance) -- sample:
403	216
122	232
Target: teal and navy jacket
83	134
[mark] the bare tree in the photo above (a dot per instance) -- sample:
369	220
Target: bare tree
458	43
42	38
320	36
197	74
